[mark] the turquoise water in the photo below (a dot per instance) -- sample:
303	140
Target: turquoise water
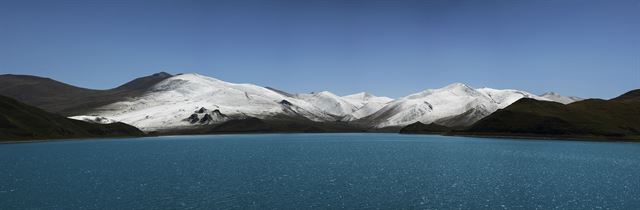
323	171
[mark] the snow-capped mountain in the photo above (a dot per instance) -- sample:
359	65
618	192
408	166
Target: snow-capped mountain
182	100
329	103
560	98
189	100
367	103
346	108
438	104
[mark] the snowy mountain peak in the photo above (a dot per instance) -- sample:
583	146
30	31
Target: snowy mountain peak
193	76
326	93
456	85
553	96
366	104
328	102
458	89
364	96
360	95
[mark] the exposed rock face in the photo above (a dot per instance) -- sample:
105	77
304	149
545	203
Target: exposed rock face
285	103
203	116
216	114
193	118
207	118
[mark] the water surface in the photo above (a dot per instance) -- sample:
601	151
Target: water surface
319	171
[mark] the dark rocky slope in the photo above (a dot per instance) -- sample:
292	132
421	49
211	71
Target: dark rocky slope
57	97
19	121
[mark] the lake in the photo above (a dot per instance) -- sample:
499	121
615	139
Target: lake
321	171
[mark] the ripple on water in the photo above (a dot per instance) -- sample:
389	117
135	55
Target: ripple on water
319	171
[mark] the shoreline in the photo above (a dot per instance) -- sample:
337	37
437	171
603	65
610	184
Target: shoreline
13	141
471	135
545	137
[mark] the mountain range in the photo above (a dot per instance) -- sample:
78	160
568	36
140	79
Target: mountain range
168	102
193	103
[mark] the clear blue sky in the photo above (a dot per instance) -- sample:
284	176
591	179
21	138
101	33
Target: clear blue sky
587	48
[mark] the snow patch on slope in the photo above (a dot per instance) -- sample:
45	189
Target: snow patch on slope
560	98
94	119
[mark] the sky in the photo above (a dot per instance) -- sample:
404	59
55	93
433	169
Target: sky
585	48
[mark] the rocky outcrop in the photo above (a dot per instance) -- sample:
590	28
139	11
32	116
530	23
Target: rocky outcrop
193	118
204	116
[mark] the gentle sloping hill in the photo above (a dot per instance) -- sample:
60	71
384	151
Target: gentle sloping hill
617	118
421	128
57	97
19	121
633	95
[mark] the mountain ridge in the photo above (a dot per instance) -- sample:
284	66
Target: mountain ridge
164	101
617	118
